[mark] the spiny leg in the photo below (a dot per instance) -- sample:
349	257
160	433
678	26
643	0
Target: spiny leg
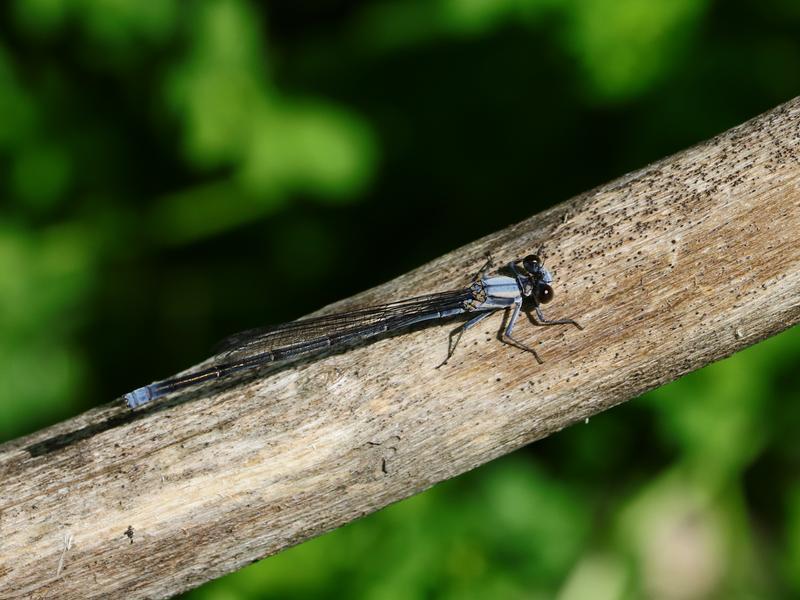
506	337
458	332
542	320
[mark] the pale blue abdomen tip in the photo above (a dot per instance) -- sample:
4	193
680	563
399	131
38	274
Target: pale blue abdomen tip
138	397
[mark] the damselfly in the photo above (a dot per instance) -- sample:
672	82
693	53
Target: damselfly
520	282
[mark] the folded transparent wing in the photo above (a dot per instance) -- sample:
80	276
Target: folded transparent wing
319	332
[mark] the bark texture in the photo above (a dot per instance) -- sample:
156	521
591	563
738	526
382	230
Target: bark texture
669	268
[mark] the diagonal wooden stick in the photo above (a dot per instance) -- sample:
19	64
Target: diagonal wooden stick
668	268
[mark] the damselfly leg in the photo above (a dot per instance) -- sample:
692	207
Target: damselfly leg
506	337
457	333
542	320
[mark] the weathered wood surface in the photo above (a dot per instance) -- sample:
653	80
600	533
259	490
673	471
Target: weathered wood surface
668	268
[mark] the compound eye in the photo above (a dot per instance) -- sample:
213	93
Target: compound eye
544	293
532	263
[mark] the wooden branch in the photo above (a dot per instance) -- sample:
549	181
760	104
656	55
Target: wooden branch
668	269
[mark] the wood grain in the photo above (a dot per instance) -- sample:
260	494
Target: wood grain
668	268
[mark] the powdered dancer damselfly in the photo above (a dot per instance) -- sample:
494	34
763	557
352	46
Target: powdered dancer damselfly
520	282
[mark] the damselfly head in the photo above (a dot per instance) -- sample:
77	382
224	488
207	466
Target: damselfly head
536	285
532	264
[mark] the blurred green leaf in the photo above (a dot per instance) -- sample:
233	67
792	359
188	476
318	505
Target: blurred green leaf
114	21
234	117
41	174
600	577
46	277
114	25
17	107
627	45
310	147
791	563
41	17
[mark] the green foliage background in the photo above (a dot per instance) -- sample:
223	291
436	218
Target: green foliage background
165	166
